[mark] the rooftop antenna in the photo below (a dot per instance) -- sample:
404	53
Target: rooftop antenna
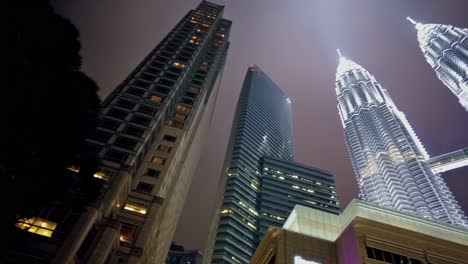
339	52
411	20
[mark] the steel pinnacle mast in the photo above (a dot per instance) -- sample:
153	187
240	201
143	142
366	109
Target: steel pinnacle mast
388	158
445	48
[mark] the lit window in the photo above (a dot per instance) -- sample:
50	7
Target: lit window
176	124
127	232
164	148
158	160
252	225
137	207
312	191
183	108
194	42
206	25
156	98
37	226
296	187
226	211
103	175
74	169
178	65
179	116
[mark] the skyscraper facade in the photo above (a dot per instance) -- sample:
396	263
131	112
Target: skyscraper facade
151	132
285	184
262	126
260	183
388	159
445	48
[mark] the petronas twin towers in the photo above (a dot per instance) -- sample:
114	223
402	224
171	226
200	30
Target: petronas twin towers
389	161
445	48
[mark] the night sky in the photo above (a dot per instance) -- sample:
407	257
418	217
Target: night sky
294	42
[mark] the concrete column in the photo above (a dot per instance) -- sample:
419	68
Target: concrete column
112	195
109	238
72	243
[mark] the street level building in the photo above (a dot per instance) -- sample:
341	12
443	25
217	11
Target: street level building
363	233
178	255
389	161
150	136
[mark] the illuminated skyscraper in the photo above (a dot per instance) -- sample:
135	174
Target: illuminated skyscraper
445	48
387	156
261	184
150	137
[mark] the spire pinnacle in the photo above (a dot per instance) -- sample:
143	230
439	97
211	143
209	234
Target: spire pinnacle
411	20
339	52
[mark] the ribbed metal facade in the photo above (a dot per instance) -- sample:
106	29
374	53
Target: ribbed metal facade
445	48
388	158
285	184
262	126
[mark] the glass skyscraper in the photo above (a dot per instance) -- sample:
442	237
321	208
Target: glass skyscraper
445	48
285	184
149	138
260	183
388	159
262	126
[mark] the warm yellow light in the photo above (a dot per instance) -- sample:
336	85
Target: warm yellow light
178	65
74	169
101	175
135	207
156	98
37	226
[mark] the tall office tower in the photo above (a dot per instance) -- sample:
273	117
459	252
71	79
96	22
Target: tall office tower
285	184
261	184
262	126
445	48
388	158
150	136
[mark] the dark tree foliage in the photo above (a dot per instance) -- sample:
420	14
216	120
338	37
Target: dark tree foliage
48	107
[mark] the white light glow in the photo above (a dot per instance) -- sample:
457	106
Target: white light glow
300	260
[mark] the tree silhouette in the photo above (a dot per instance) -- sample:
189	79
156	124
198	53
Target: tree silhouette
48	107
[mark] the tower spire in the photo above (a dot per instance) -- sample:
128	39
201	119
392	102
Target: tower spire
339	53
411	20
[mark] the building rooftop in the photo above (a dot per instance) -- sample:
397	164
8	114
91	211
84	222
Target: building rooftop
329	227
